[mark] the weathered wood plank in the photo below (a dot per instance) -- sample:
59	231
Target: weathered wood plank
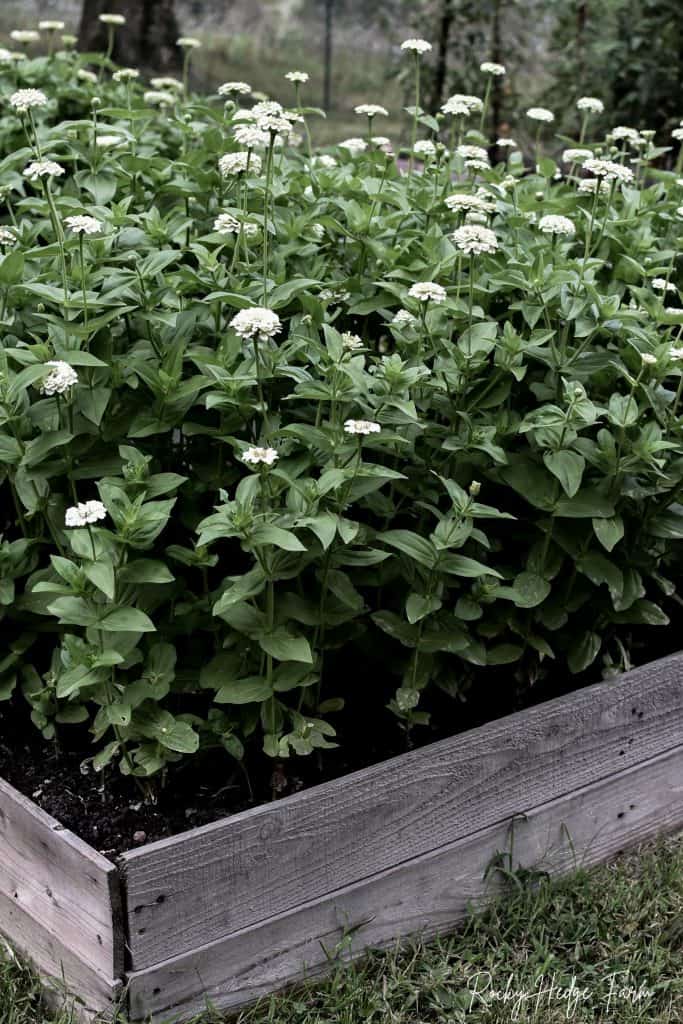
426	895
65	976
54	879
221	878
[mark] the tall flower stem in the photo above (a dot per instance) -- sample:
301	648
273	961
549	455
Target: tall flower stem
266	206
59	233
413	137
485	107
83	288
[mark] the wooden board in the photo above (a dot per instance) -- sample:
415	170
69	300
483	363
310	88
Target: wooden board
59	899
213	881
66	978
427	895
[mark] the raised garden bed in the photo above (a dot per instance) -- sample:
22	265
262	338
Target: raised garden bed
236	909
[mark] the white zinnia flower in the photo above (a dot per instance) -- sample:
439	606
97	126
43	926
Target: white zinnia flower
24	35
107	141
275	124
425	148
472	153
82	224
351	341
461	201
354	146
416	45
51	26
188	42
677	134
425	291
256	321
7	237
648	358
26	99
592	185
660	284
112	19
489	67
403	318
576	156
157	97
255	456
239	88
264	107
83	75
371	110
591	104
126	74
363	427
462	104
250	136
166	82
297	76
236	163
226	224
84	513
553	224
60	378
473	238
326	161
43	169
506	143
540	114
676	353
609	170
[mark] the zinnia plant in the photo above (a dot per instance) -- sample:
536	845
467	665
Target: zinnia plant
265	412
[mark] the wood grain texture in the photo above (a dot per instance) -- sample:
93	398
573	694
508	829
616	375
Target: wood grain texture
57	887
64	975
219	879
426	895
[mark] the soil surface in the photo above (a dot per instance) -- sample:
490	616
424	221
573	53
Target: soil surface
111	812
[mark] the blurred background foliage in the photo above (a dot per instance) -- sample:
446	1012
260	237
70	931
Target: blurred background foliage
629	53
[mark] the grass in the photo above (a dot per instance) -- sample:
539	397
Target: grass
623	920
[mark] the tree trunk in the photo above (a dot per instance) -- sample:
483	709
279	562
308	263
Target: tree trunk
441	71
327	56
147	40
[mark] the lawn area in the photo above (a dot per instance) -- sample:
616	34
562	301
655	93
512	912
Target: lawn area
615	928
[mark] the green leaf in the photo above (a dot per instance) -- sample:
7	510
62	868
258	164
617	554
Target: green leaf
418	606
170	732
622	410
253	689
568	467
102	575
283	647
12	269
145	570
460	565
609	531
418	548
284	539
527	591
584	652
600	570
126	620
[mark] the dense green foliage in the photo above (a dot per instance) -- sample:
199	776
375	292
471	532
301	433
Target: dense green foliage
492	478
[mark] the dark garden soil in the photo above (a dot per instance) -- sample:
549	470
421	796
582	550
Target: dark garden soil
110	812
